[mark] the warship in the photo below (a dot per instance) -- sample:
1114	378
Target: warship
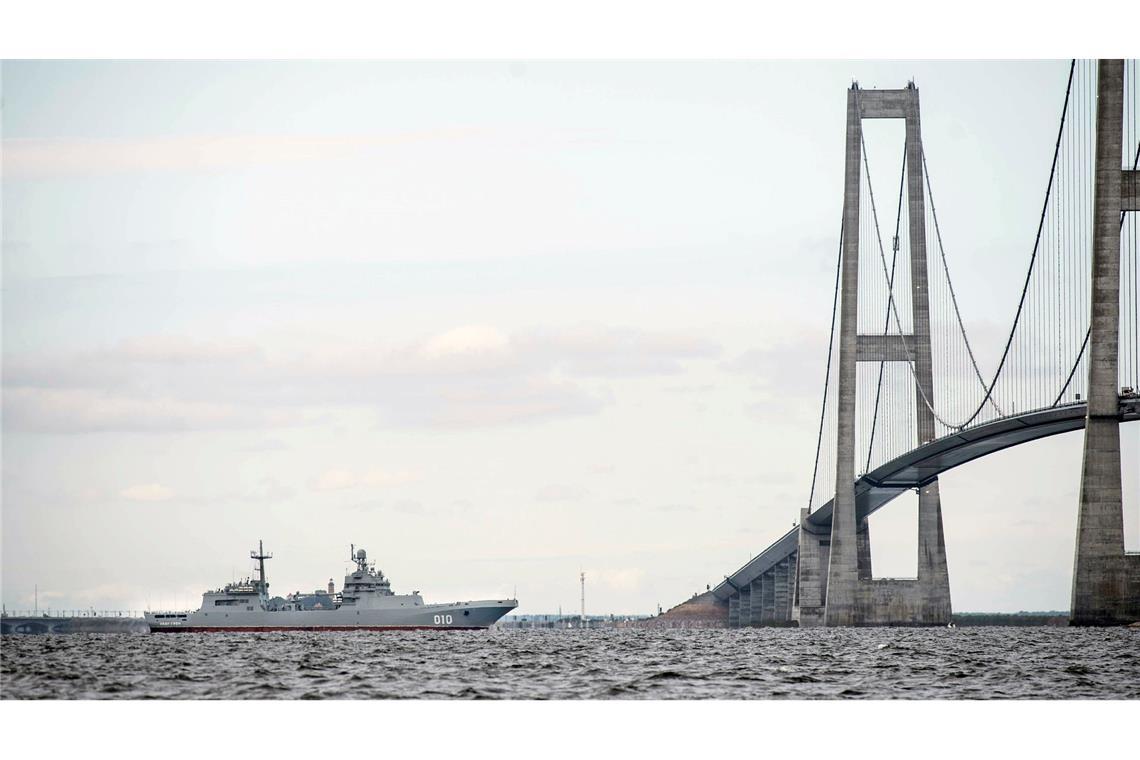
366	602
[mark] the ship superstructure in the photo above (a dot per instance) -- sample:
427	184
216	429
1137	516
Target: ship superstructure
366	602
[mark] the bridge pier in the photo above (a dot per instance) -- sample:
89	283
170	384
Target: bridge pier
814	554
863	549
784	589
852	596
1106	580
924	600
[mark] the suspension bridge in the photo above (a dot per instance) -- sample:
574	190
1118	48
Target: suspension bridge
906	398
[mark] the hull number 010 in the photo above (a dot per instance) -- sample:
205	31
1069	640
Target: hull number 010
443	619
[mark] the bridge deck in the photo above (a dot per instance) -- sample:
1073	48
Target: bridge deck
922	465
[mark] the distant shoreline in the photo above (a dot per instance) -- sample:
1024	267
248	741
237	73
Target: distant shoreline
1052	617
59	624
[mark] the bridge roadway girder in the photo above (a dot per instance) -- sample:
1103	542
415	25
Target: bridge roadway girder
921	466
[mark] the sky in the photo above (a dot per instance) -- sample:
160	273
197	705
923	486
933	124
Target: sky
498	323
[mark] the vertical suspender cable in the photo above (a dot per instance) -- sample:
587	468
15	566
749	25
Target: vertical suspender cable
1036	245
890	299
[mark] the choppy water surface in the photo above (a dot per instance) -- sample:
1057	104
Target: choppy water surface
883	663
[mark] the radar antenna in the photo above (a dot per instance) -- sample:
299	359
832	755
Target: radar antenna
261	556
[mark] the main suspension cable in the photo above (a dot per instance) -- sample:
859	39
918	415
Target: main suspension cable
827	372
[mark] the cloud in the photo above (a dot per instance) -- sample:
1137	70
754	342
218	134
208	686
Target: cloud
43	595
469	339
128	362
692	389
147	492
50	410
180	349
25	157
409	507
403	506
591	350
471	376
267	444
675	508
557	492
783	367
268	491
621	579
491	403
335	480
340	479
786	377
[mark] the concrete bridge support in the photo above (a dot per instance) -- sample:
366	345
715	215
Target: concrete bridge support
765	596
744	613
851	596
1106	580
756	595
784	589
814	554
769	597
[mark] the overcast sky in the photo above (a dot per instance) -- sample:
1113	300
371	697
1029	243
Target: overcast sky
497	323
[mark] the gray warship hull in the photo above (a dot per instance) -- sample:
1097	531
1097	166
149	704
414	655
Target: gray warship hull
455	617
365	603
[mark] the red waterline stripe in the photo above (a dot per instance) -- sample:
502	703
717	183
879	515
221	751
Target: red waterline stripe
271	628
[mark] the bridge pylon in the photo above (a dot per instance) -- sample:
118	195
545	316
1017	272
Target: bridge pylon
850	595
1106	579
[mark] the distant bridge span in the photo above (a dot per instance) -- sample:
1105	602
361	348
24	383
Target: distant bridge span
923	465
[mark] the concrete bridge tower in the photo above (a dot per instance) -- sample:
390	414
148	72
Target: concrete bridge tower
1106	580
849	595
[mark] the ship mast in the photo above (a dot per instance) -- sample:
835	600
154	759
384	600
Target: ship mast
261	556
